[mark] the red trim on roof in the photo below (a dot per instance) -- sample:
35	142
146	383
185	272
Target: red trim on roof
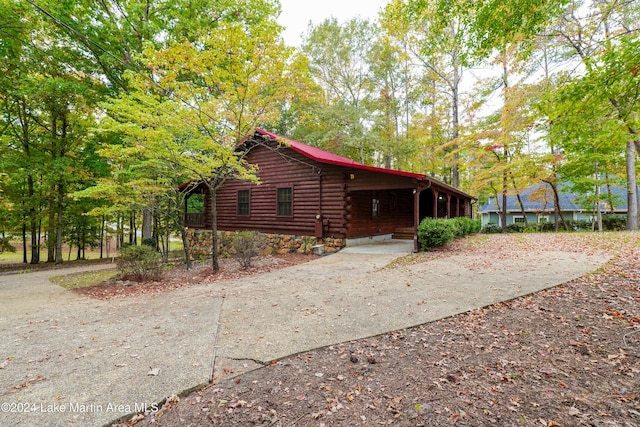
333	159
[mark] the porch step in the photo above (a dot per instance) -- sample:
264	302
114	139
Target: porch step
404	233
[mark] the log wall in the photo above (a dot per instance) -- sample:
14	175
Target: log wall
317	190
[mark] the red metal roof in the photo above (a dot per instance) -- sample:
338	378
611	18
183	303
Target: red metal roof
333	159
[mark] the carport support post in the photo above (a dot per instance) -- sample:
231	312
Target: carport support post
436	194
416	217
420	187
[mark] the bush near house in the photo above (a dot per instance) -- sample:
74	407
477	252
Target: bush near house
491	228
246	245
579	225
465	226
516	227
433	232
609	223
614	222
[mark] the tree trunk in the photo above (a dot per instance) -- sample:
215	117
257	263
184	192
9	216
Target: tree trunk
522	210
147	221
503	213
185	245
51	229
455	115
598	204
132	226
23	116
102	237
632	188
59	223
24	240
214	230
556	205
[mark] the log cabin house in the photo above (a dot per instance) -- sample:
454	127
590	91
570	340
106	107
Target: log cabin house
307	191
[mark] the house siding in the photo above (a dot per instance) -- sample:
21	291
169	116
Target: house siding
316	190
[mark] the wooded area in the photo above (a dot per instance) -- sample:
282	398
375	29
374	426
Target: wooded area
108	106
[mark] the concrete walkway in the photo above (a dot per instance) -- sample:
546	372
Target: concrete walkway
70	360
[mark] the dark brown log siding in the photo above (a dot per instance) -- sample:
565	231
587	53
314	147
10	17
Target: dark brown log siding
310	181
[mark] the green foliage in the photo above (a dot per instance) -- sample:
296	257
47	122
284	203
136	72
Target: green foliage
491	228
579	225
433	232
339	61
195	203
150	241
614	222
246	245
516	227
140	262
466	226
5	245
545	227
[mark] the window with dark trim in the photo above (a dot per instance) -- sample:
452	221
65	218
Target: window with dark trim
375	205
243	202
285	202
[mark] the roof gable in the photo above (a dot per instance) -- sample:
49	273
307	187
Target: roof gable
333	159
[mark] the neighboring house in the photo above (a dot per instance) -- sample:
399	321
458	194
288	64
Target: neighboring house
539	206
306	191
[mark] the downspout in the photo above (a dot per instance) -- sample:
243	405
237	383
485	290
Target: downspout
319	228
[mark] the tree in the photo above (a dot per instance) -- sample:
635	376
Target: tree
392	86
338	60
605	43
200	99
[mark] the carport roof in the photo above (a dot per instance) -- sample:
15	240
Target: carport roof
330	158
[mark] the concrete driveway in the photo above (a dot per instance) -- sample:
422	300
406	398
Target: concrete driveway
70	360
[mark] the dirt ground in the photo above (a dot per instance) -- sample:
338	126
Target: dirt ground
567	356
179	277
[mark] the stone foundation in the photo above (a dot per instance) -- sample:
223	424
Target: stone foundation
200	242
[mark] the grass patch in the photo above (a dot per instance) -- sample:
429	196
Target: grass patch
83	279
11	257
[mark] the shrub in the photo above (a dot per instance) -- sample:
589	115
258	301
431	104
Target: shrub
149	241
547	226
5	245
579	225
142	262
516	227
614	222
246	245
491	228
464	225
435	232
458	227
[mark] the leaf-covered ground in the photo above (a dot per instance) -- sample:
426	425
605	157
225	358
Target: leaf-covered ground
179	277
567	356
